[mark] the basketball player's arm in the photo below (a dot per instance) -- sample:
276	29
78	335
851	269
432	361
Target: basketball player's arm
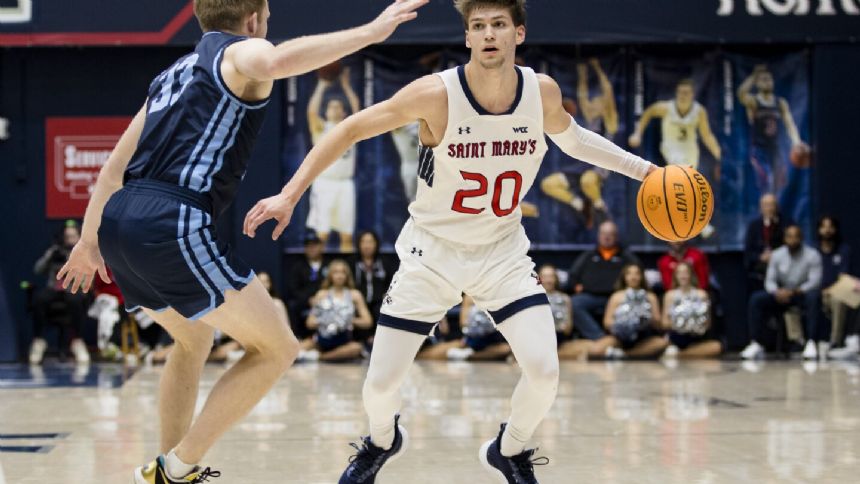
423	99
745	90
315	122
354	103
85	259
656	110
583	144
707	135
790	125
610	110
261	61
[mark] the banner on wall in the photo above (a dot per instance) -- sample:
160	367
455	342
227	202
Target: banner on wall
697	109
76	148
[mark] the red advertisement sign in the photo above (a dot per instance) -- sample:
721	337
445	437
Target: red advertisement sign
75	151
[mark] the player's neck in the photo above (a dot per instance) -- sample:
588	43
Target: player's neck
494	89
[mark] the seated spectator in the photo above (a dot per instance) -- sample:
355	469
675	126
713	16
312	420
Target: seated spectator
372	278
763	236
793	280
687	317
683	252
53	295
592	277
481	341
303	281
835	262
632	319
336	309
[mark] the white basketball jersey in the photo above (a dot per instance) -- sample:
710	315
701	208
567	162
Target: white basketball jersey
344	167
680	144
472	183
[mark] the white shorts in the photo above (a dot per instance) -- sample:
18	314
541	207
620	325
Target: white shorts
332	206
434	273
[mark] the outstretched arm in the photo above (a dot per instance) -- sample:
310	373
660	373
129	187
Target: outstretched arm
708	137
413	102
656	110
354	104
261	61
315	122
610	110
581	143
85	258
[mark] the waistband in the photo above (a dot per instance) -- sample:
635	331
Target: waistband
149	186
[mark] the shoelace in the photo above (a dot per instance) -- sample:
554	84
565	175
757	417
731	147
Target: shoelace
205	474
365	457
525	464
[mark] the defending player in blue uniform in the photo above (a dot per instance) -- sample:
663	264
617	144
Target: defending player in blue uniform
154	207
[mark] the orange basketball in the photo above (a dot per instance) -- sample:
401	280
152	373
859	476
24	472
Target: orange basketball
675	203
801	156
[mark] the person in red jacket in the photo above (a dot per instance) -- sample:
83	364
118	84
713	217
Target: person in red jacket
681	252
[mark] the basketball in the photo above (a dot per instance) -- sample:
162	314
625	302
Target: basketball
675	203
801	155
330	72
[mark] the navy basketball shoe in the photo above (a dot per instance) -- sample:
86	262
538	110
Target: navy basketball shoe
155	473
366	464
518	469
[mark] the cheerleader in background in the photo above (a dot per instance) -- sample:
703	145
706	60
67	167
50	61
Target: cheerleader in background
336	309
632	319
687	317
480	342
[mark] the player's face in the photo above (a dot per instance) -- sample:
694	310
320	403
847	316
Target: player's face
633	277
793	238
493	37
682	273
71	236
684	95
548	278
764	82
335	111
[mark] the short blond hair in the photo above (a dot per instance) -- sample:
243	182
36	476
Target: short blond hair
517	9
225	14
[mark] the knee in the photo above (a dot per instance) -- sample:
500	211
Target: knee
543	371
377	385
197	341
279	349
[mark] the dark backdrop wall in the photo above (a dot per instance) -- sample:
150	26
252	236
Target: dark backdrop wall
39	82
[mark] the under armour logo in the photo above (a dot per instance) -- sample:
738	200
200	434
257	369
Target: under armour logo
521	129
466	130
420	252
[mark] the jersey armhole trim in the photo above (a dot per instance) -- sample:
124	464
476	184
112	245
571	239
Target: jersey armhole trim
216	70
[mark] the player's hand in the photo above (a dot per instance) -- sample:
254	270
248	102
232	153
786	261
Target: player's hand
80	270
278	207
397	13
635	140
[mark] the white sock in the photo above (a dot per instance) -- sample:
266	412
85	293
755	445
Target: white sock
531	334
393	353
513	442
176	469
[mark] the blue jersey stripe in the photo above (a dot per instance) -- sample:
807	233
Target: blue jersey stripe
185	247
205	259
207	156
222	262
219	155
185	178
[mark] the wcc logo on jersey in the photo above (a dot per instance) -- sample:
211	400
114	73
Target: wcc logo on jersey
16	11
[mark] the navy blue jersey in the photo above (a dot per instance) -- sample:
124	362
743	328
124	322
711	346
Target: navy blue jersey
197	133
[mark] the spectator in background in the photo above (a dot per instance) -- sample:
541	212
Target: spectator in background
372	278
835	261
793	279
592	278
336	309
303	281
680	252
632	319
764	234
481	341
687	317
53	295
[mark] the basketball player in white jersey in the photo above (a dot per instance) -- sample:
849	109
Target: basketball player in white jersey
333	193
683	121
482	133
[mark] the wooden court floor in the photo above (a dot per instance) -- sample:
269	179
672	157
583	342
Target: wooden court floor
708	422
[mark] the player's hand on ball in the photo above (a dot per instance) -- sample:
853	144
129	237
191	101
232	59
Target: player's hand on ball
279	207
80	270
397	13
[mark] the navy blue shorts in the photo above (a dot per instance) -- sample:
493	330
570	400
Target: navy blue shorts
159	242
